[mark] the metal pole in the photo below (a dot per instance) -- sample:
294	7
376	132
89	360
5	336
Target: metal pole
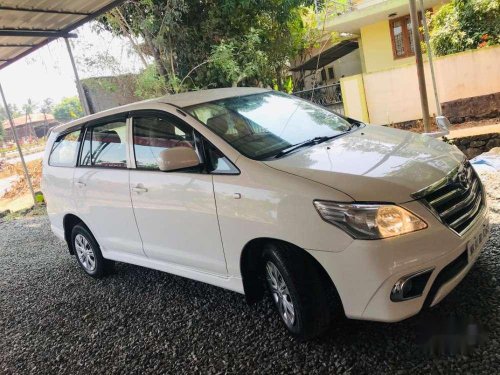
14	134
431	62
420	65
79	87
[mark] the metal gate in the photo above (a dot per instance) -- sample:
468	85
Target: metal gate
329	96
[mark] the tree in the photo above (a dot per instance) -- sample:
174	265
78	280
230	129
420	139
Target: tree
465	24
238	60
29	108
68	109
187	38
46	108
3	116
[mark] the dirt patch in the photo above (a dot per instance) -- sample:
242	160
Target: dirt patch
21	187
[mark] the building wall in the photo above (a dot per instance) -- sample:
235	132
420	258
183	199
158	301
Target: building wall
377	48
392	96
346	66
352	88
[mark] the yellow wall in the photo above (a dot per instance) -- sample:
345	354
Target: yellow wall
353	93
377	48
393	95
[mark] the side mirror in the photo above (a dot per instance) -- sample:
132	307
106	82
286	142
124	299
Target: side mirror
178	158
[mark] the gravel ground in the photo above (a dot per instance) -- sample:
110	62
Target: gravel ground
54	319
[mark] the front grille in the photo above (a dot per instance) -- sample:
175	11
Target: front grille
457	199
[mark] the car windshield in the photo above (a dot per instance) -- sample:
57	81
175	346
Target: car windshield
261	125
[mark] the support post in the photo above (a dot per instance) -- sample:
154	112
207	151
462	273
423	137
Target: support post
439	112
14	134
79	87
420	66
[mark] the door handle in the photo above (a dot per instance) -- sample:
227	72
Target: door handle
139	189
80	184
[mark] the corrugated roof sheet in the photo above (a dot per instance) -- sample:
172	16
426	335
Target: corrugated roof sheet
26	25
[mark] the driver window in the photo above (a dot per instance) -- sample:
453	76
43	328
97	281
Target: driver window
153	134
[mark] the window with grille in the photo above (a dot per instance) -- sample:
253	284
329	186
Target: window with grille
402	37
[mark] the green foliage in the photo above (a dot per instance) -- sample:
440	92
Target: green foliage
150	84
29	108
465	24
46	106
68	109
3	116
216	43
237	60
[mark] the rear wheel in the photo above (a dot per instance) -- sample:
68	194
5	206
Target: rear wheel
298	291
88	253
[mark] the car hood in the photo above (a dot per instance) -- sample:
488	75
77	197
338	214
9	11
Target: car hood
374	163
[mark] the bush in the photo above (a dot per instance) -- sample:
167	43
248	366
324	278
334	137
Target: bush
465	24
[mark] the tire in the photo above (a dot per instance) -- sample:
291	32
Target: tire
298	290
88	253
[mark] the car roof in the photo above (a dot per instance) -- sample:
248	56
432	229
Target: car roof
182	100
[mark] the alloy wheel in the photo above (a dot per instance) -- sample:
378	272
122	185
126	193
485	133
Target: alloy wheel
85	253
280	293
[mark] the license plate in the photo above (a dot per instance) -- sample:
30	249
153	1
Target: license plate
474	245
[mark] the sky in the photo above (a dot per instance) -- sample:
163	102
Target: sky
47	73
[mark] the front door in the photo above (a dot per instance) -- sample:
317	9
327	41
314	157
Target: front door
175	211
102	195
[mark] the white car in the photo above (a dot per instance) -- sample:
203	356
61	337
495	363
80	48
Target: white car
251	189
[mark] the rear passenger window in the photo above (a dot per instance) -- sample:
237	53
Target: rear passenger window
105	146
65	150
154	134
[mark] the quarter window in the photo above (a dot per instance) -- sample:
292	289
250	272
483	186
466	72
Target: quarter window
217	163
105	145
153	134
65	150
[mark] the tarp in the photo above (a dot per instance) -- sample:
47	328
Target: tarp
488	162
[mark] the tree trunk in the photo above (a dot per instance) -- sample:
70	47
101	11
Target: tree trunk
149	41
156	55
125	30
279	79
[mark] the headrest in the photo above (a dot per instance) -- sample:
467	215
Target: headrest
218	124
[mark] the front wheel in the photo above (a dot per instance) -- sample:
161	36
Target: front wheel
88	253
297	290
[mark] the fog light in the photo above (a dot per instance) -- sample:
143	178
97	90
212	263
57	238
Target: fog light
410	286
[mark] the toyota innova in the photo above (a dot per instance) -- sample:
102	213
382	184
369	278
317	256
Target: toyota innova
260	192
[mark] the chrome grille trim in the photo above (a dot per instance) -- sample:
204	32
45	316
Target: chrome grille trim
467	201
457	199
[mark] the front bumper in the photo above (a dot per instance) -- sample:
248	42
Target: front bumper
366	271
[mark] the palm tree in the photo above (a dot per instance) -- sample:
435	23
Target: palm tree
45	108
28	110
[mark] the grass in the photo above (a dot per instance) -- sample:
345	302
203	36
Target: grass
39	210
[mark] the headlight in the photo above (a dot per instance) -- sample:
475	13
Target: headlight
369	221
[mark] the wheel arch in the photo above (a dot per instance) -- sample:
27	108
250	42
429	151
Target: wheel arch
69	222
251	266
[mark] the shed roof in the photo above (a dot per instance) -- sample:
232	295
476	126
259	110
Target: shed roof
33	119
330	55
26	25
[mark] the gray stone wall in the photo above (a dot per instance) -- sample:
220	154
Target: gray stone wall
477	144
471	109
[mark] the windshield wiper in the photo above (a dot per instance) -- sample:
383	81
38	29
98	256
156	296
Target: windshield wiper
310	142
